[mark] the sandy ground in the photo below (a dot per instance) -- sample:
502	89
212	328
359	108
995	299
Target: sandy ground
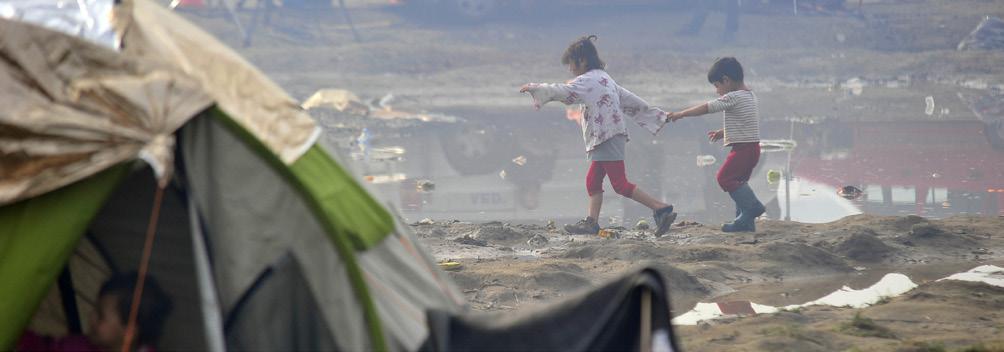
879	66
507	266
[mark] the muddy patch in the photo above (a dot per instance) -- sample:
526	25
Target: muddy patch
498	232
797	257
865	246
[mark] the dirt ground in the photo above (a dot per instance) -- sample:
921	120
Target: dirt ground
511	266
878	65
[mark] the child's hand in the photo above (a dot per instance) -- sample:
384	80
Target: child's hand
715	136
674	116
526	88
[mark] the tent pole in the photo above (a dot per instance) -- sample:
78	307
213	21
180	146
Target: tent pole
69	298
144	264
207	290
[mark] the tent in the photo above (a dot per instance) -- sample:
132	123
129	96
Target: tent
263	240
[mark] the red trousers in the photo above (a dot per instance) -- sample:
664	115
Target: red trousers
618	178
738	166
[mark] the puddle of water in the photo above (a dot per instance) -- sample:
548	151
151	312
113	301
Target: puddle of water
813	202
933	169
930	168
891	285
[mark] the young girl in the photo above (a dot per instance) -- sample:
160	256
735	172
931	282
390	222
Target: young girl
603	129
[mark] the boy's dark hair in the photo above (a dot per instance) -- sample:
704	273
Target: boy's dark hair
154	305
582	49
725	66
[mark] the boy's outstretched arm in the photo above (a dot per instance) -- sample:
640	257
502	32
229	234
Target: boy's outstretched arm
696	110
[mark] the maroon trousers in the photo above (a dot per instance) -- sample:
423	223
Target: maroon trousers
618	178
738	166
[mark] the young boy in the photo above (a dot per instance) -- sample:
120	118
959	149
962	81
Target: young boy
107	328
741	131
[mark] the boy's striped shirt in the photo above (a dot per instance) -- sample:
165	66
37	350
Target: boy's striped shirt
741	119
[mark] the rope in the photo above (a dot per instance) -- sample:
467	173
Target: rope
144	263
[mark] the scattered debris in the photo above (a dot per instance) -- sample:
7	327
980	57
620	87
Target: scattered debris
388	178
425	186
641	225
687	223
609	234
551	226
386	154
379	108
363	141
705	160
537	240
450	266
468	240
988	35
384	101
773	176
855	86
777	145
338	99
502	174
426	221
850	192
519	160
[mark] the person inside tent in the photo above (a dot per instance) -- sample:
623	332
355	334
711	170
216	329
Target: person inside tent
107	328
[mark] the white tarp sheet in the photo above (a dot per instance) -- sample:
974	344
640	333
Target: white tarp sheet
88	19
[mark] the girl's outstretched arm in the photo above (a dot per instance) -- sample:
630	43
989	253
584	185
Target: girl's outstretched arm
646	116
566	93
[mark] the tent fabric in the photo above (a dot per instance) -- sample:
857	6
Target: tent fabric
279	314
602	319
406	283
353	211
73	108
402	280
90	270
151	32
253	216
36	238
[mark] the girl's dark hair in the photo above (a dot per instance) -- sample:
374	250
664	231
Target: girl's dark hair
582	49
726	66
154	305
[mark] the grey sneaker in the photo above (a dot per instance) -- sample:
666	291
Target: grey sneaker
587	226
664	218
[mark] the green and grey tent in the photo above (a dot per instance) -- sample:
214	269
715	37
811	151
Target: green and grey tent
264	241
